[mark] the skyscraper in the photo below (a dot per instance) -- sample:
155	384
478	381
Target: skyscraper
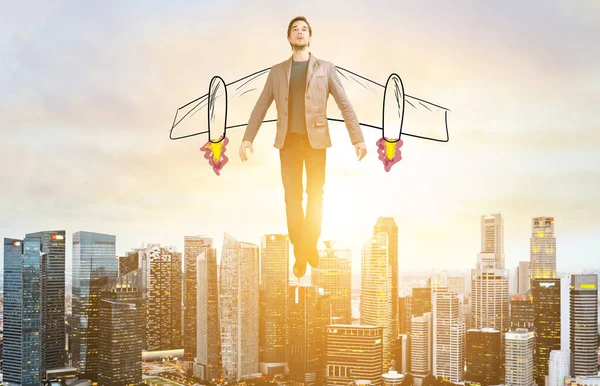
456	284
274	271
421	345
559	367
484	357
584	325
362	362
448	336
334	275
208	364
547	321
53	354
489	291
519	357
22	311
94	263
492	238
308	318
238	293
193	247
376	291
164	302
523	281
388	226
542	262
120	336
521	312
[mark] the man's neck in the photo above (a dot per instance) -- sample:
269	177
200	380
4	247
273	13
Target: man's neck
301	55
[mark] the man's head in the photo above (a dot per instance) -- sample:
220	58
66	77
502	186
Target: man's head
299	33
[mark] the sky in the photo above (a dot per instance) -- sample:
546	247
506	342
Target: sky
89	92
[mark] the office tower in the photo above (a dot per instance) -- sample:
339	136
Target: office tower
484	357
22	314
362	362
164	299
308	317
402	353
492	238
546	295
238	295
421	345
94	263
489	294
120	336
559	367
53	354
521	312
128	263
584	325
388	226
402	315
421	301
519	357
448	336
193	247
467	315
542	262
376	292
523	281
407	310
456	284
274	271
208	330
334	275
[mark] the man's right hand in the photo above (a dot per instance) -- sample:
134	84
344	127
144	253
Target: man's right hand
245	145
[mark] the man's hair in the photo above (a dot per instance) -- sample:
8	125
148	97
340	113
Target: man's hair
289	30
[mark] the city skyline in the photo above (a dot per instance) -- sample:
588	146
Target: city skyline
522	141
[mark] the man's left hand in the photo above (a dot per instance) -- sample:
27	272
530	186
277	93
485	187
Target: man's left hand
361	150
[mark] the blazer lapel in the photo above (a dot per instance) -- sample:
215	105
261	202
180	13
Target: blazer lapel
288	71
313	63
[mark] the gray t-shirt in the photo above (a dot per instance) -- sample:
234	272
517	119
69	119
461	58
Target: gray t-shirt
297	117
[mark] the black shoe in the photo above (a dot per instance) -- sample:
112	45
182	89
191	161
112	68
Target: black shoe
299	268
312	255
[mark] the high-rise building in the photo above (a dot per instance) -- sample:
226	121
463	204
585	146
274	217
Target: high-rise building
208	364
193	247
239	302
94	264
421	345
53	354
489	294
309	312
376	292
448	336
22	312
484	357
456	284
402	308
519	357
542	264
388	226
421	301
128	263
492	238
362	362
402	353
334	275
523	281
546	295
120	336
559	367
584	325
274	271
521	312
164	302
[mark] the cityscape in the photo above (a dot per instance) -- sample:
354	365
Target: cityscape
159	316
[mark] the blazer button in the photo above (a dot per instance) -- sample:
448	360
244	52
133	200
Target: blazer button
286	98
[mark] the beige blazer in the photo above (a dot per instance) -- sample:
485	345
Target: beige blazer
321	80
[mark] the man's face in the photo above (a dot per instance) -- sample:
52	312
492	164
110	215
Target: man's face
299	35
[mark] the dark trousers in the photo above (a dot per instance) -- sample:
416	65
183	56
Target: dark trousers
295	153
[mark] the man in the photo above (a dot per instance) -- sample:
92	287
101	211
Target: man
300	87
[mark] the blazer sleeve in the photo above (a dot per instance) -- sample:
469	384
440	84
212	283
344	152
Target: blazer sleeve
337	90
260	109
